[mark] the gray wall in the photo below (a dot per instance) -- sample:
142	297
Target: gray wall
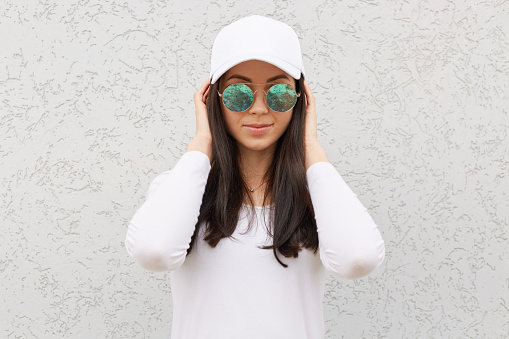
412	99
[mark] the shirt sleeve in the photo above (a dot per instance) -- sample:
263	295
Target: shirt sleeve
160	231
350	243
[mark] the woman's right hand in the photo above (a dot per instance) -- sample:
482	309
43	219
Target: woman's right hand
203	140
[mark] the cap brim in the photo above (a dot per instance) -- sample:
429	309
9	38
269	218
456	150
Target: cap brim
281	64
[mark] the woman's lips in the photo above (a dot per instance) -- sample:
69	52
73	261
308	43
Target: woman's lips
257	129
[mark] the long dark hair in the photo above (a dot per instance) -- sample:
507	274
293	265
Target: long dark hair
292	217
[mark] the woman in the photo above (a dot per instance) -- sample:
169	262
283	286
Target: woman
253	214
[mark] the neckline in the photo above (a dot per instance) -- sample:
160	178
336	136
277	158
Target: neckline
257	207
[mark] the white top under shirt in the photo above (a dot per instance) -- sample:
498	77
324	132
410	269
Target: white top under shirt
237	290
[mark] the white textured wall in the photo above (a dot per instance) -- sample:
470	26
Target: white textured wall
96	100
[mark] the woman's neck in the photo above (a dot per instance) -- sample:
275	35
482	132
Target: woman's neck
253	166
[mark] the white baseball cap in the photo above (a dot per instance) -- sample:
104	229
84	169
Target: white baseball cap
256	38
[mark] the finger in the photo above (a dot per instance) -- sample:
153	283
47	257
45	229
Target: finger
206	95
199	95
306	92
310	98
204	86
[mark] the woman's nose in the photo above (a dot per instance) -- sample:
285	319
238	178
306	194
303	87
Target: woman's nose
259	105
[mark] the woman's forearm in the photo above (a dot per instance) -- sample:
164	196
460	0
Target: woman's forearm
160	232
351	245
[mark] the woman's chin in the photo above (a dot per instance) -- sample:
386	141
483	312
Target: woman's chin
258	146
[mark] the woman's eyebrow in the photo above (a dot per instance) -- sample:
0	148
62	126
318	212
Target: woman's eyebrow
280	76
241	77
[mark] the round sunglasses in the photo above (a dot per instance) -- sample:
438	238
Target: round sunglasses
239	97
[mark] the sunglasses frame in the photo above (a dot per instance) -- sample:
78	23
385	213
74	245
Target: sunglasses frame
266	93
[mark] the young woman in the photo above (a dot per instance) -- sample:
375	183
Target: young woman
252	216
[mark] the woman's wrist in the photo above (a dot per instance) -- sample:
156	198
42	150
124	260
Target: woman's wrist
314	153
201	145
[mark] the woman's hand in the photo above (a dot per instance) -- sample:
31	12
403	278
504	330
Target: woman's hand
203	140
313	152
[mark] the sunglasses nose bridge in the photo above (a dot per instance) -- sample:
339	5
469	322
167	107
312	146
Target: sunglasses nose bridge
264	95
255	105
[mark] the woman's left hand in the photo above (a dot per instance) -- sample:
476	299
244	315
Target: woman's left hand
313	152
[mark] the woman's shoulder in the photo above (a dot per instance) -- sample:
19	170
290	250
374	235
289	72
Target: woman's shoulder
188	162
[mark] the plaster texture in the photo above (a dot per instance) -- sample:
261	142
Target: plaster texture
96	99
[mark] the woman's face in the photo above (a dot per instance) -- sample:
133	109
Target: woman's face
245	126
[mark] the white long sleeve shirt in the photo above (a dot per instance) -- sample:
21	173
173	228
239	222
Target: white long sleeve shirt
237	290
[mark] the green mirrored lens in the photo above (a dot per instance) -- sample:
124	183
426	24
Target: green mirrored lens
281	98
237	97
